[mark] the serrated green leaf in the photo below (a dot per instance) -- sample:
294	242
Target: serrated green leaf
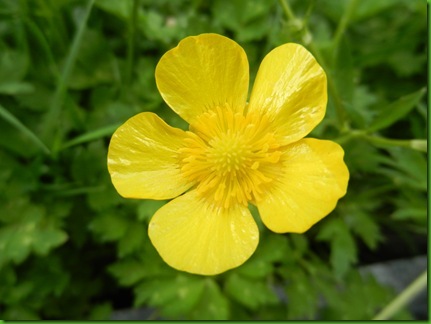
366	228
409	168
250	293
358	298
47	238
32	233
187	298
255	267
414	213
174	295
396	110
212	305
302	295
343	246
272	248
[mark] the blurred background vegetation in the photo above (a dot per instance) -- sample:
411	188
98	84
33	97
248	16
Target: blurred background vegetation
71	71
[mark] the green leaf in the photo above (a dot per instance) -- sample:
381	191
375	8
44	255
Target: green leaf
272	248
343	246
120	9
366	228
33	232
413	213
16	88
250	293
408	168
175	296
396	110
128	272
357	298
101	312
133	240
147	208
302	295
109	227
212	304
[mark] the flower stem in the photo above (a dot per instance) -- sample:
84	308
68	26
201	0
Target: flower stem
417	144
344	22
403	298
287	10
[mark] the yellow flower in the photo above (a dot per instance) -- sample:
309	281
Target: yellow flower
235	153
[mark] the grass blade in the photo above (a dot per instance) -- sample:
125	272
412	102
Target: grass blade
396	110
57	102
91	136
21	127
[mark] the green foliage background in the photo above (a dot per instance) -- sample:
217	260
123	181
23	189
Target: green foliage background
71	71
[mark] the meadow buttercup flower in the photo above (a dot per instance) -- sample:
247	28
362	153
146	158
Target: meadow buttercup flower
238	151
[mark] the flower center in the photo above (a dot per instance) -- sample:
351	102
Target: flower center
230	157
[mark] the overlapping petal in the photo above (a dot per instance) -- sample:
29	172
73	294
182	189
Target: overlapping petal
193	235
201	73
143	159
314	178
291	88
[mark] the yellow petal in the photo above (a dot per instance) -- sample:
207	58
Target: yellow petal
314	178
201	73
290	87
143	161
194	236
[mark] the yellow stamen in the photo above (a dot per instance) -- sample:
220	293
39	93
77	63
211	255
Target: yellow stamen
229	156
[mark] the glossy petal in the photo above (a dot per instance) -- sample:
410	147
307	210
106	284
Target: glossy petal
291	88
142	159
201	73
194	236
314	178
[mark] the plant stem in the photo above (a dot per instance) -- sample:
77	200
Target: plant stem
417	144
344	22
289	13
403	298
